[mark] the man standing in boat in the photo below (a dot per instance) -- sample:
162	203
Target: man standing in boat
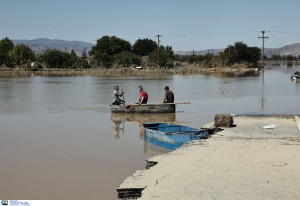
169	95
144	96
116	96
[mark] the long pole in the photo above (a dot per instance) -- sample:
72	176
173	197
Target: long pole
263	47
158	43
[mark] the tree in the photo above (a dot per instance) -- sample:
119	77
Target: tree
253	55
58	59
290	57
6	45
21	54
238	53
110	45
166	56
106	48
275	57
126	58
144	47
102	59
241	51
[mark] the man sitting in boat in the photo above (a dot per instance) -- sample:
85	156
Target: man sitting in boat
144	96
169	95
116	96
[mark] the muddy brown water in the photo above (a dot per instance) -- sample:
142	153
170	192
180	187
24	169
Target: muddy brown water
58	139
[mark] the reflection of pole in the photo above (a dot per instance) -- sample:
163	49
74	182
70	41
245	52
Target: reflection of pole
262	89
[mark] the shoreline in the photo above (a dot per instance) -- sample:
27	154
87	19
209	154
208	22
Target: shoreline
7	72
242	162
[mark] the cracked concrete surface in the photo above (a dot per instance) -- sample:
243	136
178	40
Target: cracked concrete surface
244	162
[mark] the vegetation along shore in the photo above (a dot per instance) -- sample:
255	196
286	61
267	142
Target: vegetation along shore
115	55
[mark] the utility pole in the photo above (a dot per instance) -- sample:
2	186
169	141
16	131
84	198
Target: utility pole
263	47
193	56
158	35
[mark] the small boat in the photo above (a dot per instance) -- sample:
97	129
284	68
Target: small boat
171	136
296	76
145	108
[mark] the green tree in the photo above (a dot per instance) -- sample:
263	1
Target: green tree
144	47
21	54
166	56
6	45
102	59
54	58
106	48
275	57
290	57
110	45
253	55
241	51
126	58
238	53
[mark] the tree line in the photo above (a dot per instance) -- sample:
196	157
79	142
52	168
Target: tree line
233	54
276	57
111	51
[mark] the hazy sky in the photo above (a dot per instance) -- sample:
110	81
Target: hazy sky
202	24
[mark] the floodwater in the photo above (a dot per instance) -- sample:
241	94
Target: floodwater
58	139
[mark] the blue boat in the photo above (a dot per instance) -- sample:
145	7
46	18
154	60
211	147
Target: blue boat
171	136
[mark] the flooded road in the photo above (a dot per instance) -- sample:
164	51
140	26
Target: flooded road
58	139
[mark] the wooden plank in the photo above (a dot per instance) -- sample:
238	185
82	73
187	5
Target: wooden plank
297	121
152	104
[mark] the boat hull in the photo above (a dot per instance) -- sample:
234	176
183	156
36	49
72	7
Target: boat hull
144	108
171	136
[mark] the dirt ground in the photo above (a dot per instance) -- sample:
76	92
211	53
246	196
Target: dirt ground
246	162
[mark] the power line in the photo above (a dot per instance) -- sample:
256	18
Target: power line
285	32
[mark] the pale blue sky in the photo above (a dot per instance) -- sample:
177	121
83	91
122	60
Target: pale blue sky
207	24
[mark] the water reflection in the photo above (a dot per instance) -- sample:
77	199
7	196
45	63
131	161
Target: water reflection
262	94
236	74
151	150
143	118
117	128
119	120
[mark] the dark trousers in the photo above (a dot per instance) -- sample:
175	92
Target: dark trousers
118	102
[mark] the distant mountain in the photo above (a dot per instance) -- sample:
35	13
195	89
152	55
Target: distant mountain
293	49
40	45
200	52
